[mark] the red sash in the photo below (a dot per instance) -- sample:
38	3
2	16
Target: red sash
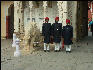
63	44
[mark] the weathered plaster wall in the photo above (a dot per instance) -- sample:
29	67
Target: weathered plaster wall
38	14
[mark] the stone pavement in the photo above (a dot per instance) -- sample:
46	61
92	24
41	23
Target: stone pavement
81	58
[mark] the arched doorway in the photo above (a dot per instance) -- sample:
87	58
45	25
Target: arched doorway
10	22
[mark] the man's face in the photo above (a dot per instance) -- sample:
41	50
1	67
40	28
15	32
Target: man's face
68	23
46	20
57	20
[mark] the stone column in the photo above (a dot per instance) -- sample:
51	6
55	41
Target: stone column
21	18
65	12
28	26
16	16
70	5
30	6
62	8
45	11
74	19
45	8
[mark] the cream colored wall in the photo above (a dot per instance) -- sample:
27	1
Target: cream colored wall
4	12
39	13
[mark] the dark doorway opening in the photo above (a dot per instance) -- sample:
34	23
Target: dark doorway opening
82	20
10	22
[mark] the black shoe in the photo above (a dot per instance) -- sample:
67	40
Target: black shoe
66	51
55	51
58	50
48	50
44	50
69	51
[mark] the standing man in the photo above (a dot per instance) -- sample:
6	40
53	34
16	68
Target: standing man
46	31
67	35
56	33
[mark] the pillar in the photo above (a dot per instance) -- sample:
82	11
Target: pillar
21	18
16	16
65	12
74	19
69	10
62	9
28	26
45	8
30	6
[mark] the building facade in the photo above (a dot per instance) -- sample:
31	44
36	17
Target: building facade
27	12
36	11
